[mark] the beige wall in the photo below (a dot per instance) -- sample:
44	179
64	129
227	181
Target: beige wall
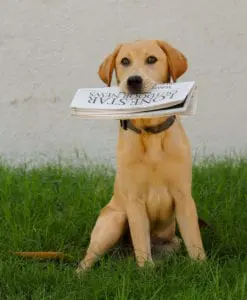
50	48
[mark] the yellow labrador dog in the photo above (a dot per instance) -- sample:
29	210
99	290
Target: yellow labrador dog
152	189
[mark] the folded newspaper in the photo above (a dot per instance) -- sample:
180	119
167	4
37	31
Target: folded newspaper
111	103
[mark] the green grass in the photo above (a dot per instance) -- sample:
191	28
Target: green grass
54	208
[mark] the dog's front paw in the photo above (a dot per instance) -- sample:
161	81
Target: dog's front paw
202	256
81	270
149	264
146	263
199	256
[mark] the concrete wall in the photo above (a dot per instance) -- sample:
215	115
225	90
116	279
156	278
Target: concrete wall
48	49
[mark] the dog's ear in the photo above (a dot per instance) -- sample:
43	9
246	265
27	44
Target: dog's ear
177	62
106	68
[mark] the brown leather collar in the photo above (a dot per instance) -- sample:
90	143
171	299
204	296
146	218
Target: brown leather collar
127	124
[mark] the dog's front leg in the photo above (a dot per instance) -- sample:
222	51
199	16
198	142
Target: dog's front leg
140	232
186	215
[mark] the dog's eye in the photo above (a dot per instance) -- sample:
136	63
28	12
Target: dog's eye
151	60
125	61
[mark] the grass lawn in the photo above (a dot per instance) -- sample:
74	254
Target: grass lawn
54	208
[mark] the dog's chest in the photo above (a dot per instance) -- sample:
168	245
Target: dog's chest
153	152
144	174
152	178
159	203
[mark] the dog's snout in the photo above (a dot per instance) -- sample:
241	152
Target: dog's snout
135	83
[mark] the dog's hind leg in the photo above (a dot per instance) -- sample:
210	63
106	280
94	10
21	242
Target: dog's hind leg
107	231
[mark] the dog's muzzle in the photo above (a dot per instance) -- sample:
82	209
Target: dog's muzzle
135	84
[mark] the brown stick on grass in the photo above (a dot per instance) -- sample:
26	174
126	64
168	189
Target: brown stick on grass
44	255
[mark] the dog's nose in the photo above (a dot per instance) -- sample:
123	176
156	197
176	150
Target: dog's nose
134	83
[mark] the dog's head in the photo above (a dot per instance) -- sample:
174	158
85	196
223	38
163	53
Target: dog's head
142	64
